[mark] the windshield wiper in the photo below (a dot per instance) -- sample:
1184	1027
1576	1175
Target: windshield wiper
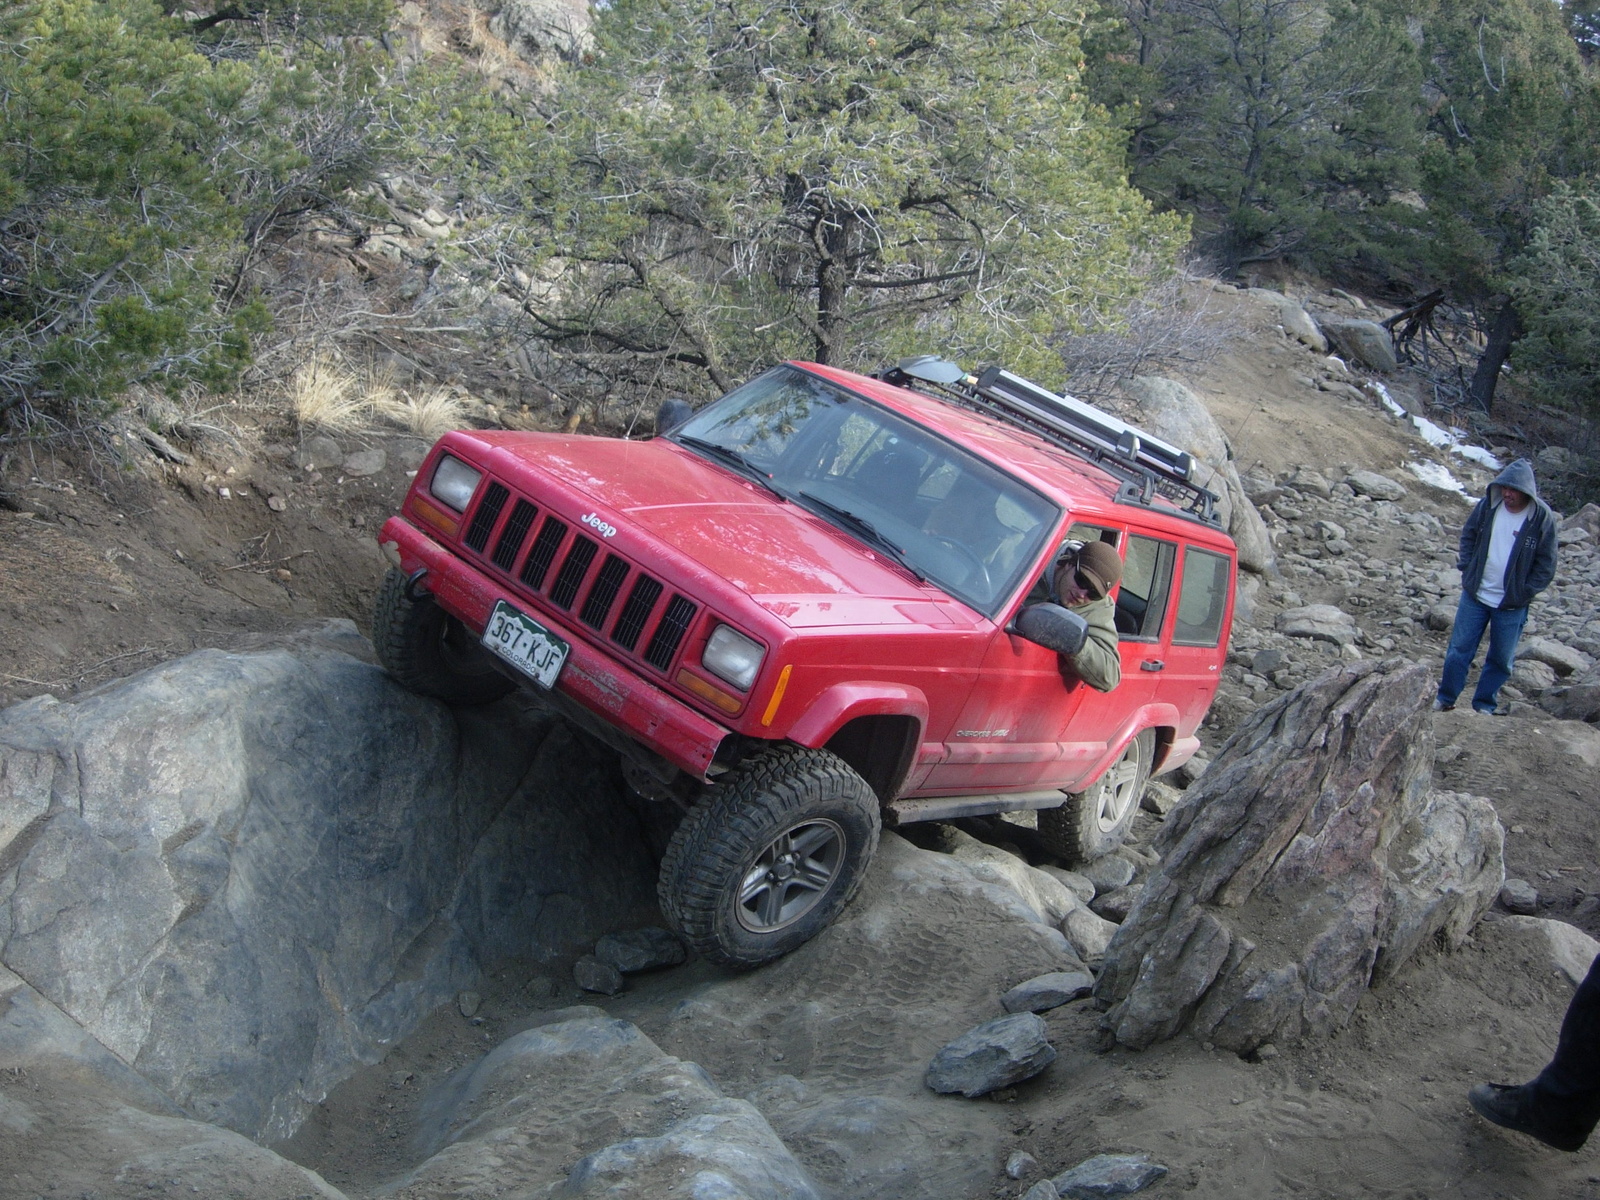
732	458
863	529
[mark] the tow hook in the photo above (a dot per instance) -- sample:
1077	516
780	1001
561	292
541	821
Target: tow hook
415	592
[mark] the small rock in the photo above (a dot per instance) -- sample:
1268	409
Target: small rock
994	1055
1320	622
1044	992
277	503
1190	771
1108	1175
1080	887
1043	1190
318	452
1115	906
1265	662
365	462
1088	932
1379	487
592	975
225	493
468	1003
1520	896
1440	617
1108	873
1266	1052
640	949
1021	1164
1305	479
1160	798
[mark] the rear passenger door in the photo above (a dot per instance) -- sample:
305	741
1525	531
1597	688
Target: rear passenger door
1194	656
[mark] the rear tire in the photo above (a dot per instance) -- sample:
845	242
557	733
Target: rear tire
1094	822
769	856
428	651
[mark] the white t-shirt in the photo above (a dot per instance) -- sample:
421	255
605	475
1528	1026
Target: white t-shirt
1502	537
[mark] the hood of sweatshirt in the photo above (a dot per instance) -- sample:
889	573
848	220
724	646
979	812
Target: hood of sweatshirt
1518	475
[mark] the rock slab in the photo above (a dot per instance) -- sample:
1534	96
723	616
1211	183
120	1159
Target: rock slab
293	831
1044	992
1108	1175
996	1054
1311	859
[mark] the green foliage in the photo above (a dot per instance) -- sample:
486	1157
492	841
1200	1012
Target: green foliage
721	185
135	173
1282	125
1510	110
1556	284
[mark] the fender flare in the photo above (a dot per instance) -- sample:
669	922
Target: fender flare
842	703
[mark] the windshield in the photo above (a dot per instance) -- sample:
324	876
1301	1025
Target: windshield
945	514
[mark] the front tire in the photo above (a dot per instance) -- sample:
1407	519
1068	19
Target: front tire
769	856
428	651
1094	822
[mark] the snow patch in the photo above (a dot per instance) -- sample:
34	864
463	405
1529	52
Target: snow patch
1437	476
1437	435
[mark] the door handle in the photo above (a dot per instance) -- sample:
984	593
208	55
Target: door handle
1152	664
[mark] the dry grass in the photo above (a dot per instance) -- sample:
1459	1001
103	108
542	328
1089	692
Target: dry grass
429	416
327	395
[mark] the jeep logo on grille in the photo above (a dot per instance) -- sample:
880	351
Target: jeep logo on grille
604	529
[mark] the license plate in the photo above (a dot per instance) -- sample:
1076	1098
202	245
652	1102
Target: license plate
525	644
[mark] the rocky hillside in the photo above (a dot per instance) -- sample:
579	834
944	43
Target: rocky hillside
223	918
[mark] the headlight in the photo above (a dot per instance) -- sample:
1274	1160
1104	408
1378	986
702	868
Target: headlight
732	656
454	482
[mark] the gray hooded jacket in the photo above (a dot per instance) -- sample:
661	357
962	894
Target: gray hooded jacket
1533	558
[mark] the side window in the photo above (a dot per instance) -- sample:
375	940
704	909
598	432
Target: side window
1146	582
1202	599
1078	532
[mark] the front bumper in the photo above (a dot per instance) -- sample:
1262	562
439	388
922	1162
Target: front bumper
611	695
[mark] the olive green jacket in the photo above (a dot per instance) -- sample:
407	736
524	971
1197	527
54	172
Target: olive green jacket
1098	663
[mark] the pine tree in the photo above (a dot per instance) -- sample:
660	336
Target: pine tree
723	185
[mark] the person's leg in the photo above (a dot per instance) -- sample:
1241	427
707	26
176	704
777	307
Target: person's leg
1574	1073
1465	634
1505	629
1561	1105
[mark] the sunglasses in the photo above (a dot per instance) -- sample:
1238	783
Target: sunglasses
1083	581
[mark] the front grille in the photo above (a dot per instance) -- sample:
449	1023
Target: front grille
488	513
604	592
585	578
636	612
565	589
543	552
505	550
664	643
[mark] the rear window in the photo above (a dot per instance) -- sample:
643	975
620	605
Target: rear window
1202	598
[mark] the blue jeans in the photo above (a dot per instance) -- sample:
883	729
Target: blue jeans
1472	618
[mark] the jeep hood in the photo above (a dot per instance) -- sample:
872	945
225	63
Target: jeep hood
791	562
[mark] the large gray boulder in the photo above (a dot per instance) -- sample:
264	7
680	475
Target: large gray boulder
1363	342
247	874
80	1122
1575	699
1173	412
589	1106
1309	861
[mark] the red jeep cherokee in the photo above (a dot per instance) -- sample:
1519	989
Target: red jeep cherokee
796	614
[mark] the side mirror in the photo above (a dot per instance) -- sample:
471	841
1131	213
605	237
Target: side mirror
672	413
1053	627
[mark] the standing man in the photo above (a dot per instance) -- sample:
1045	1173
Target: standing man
1507	557
1081	582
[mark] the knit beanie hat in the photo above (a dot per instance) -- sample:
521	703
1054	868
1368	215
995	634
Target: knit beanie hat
1100	564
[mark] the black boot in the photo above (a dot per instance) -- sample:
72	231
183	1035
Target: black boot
1524	1110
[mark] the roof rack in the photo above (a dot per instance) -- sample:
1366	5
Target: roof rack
1147	466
